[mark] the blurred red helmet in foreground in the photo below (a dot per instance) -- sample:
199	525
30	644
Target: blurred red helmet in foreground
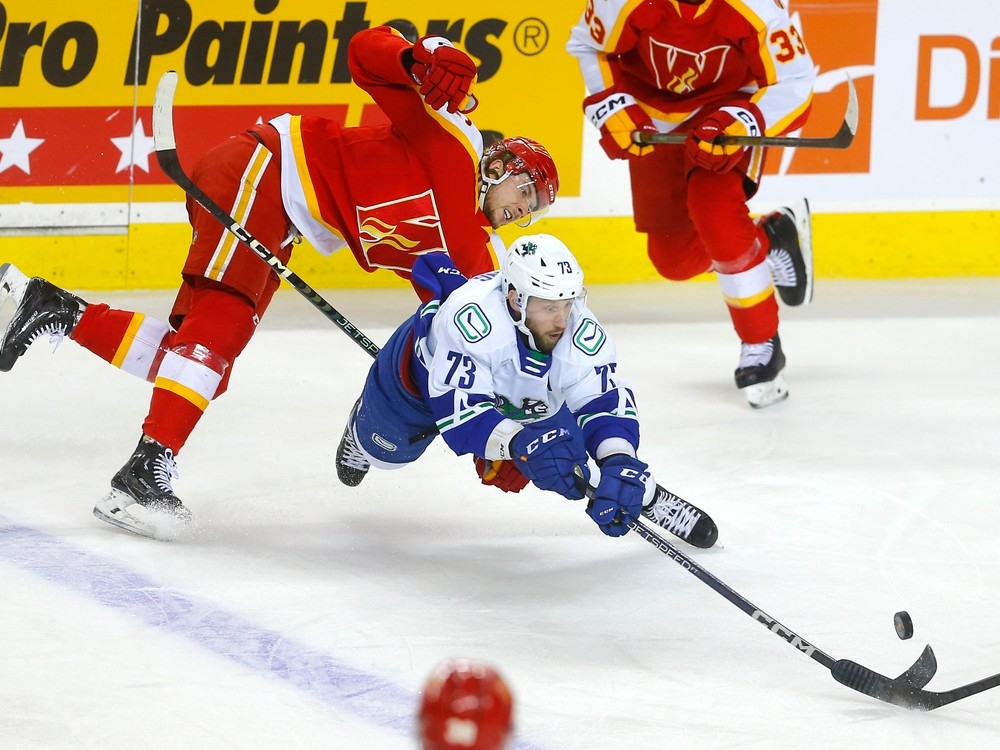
465	706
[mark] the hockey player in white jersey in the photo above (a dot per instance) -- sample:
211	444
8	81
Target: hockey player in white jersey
510	367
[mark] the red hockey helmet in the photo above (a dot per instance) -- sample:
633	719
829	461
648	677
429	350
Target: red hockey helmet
465	706
523	155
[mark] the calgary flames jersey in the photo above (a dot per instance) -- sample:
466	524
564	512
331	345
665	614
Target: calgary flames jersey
388	192
676	58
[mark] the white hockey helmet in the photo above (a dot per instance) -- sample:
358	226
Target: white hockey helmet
540	265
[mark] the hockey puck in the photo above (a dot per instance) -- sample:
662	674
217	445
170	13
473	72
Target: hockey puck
904	625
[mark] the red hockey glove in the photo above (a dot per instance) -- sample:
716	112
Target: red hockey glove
616	115
446	75
701	149
501	474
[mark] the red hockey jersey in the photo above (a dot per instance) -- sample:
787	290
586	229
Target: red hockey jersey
389	192
676	58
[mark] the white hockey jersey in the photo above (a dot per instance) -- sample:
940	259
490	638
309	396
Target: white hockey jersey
482	382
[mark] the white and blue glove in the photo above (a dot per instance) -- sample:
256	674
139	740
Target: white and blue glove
618	497
547	455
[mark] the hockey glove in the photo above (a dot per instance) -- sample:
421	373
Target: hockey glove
547	455
715	157
501	474
616	115
618	497
446	75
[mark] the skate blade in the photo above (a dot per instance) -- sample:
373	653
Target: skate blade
760	395
118	509
803	224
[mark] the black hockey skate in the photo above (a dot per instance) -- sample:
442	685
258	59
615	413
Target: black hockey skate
681	518
790	256
142	499
352	465
759	373
42	309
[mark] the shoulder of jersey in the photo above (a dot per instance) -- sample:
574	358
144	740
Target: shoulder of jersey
477	314
586	335
766	10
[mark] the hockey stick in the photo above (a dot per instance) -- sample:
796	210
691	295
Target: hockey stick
843	138
166	155
905	691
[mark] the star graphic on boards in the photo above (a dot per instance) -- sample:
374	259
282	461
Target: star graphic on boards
135	149
14	150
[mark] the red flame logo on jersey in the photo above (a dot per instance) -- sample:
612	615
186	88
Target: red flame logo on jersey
393	233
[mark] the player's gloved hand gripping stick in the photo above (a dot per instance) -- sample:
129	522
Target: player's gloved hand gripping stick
842	139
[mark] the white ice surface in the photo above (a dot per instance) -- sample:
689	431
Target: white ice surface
304	614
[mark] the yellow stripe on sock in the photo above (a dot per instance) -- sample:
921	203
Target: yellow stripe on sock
127	339
183	391
745	302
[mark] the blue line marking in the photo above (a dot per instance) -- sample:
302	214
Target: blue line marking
372	698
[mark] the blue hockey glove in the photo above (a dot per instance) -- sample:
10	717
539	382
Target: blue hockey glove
547	454
618	497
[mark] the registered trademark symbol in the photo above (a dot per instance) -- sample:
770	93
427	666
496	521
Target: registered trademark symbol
531	36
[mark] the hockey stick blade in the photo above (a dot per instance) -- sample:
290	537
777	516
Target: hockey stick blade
842	139
166	155
905	691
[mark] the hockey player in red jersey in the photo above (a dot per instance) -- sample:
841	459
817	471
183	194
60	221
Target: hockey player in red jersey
707	68
389	193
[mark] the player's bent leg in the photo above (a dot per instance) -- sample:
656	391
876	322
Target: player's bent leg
131	341
382	435
36	308
389	425
677	254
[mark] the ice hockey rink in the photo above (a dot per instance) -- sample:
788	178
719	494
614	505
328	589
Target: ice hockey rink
304	614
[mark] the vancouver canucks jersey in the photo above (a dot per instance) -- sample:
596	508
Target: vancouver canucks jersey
482	382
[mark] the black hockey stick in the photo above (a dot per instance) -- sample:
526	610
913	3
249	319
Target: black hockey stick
905	691
843	138
166	155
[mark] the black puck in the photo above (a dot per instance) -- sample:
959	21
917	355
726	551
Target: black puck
904	625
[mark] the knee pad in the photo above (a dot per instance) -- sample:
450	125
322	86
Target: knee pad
193	372
677	255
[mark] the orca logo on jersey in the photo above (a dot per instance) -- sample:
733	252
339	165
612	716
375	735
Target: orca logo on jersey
530	408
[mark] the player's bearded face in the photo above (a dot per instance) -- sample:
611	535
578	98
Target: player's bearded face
547	319
511	200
